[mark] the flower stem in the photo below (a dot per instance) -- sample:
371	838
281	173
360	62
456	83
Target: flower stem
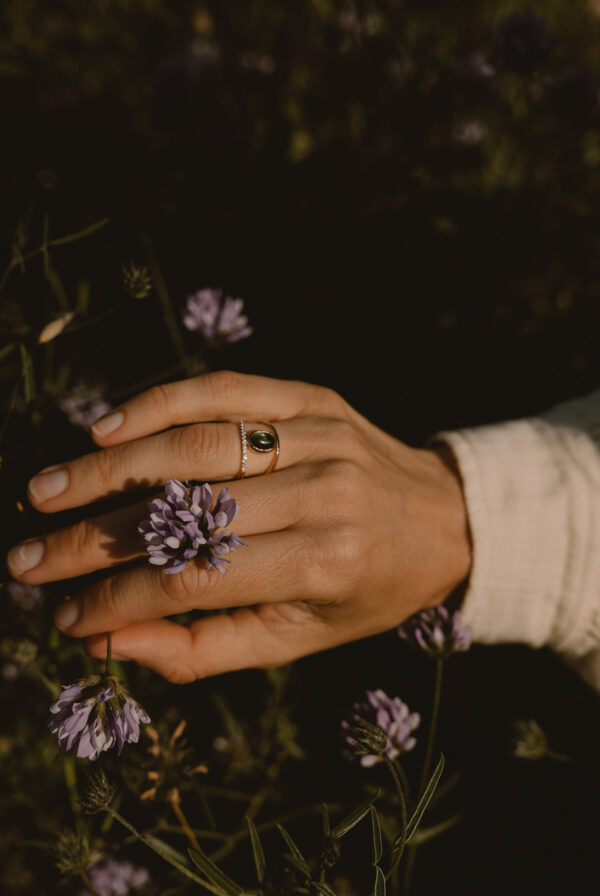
403	814
164	855
108	652
435	709
412	850
175	801
558	757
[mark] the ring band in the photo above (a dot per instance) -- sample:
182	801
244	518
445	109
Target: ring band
262	441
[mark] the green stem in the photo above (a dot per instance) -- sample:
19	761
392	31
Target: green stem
108	652
435	709
167	309
558	757
403	814
164	855
412	850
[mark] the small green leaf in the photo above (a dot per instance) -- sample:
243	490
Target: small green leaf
326	821
322	888
351	820
214	874
425	834
376	830
425	799
380	884
257	850
6	350
296	856
28	373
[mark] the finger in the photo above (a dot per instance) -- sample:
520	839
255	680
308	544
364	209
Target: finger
272	567
259	637
222	395
204	452
110	539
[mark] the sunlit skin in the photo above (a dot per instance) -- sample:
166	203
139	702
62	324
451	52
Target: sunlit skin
352	533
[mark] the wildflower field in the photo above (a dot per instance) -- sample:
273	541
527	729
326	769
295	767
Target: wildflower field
396	200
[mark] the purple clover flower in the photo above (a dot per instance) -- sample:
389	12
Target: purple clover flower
84	404
387	714
25	597
436	631
182	526
219	318
115	877
95	714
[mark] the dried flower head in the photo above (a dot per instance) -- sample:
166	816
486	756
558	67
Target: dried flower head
436	631
182	526
95	714
84	404
530	741
379	725
115	877
72	852
137	281
219	318
99	793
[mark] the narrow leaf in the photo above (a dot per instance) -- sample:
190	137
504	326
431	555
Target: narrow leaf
322	888
299	860
213	873
425	799
257	851
380	885
376	830
326	821
351	820
6	350
425	834
28	373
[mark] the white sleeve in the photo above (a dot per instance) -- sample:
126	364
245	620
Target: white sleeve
532	489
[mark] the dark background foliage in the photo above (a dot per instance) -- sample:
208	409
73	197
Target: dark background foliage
406	195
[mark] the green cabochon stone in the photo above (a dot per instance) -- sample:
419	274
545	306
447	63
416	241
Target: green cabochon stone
261	440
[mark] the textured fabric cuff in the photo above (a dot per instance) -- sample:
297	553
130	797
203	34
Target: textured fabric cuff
532	489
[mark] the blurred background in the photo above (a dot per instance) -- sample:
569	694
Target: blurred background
406	196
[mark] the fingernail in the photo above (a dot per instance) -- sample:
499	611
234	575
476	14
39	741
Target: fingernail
25	556
67	614
108	424
48	485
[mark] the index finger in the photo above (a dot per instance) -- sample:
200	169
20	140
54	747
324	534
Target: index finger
223	395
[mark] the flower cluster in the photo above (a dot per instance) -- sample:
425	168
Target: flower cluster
115	877
436	631
182	526
374	716
219	318
84	404
95	714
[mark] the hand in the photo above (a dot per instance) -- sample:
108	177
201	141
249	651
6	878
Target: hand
351	534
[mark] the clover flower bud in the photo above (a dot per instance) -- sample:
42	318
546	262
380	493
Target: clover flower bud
436	632
115	877
379	725
530	741
99	793
84	404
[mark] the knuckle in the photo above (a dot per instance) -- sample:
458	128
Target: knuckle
184	588
78	541
106	598
337	558
159	398
106	465
225	384
195	442
343	482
